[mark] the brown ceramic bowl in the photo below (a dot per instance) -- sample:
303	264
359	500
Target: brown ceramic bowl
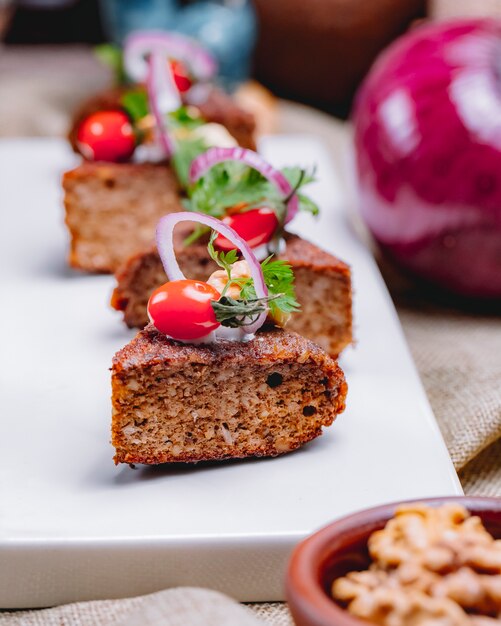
342	547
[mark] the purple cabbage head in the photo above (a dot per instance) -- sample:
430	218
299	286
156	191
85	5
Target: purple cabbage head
428	152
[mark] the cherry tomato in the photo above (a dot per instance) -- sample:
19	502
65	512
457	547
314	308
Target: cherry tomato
256	226
182	309
106	136
181	75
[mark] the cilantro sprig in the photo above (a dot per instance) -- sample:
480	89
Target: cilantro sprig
278	277
135	103
233	184
187	149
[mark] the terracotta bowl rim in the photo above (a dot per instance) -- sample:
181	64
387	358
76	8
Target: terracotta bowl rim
304	592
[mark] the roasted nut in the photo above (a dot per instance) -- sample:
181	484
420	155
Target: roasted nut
431	567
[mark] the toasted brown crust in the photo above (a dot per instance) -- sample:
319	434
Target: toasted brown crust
152	365
112	210
219	108
150	347
323	287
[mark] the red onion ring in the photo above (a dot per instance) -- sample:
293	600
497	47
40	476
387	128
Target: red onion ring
165	245
163	97
140	44
213	156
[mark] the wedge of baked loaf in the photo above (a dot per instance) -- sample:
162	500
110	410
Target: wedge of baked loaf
322	282
112	210
177	402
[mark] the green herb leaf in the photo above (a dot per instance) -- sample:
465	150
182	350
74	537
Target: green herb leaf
186	150
279	278
227	185
111	55
224	259
298	178
199	231
135	102
184	118
307	205
235	313
231	184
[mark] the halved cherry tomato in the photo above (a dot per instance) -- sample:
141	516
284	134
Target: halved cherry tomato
182	309
256	226
181	75
106	136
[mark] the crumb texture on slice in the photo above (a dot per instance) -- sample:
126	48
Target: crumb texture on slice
323	287
112	210
175	402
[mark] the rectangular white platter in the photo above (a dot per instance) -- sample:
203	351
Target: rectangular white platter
75	527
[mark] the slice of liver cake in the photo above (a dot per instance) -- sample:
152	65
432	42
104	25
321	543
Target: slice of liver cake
112	210
175	402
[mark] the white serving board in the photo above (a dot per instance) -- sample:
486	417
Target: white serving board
75	527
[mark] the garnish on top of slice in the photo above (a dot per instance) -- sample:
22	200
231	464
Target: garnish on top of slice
197	62
168	64
189	61
241	295
238	295
247	193
183	125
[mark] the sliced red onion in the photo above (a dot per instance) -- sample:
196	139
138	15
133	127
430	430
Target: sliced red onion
140	44
165	245
213	156
163	97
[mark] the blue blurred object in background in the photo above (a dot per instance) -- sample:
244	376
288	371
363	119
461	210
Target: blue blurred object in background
226	27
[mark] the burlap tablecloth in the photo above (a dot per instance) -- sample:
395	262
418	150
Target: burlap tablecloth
458	355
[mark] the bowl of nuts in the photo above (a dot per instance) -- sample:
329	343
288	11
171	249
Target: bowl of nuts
429	562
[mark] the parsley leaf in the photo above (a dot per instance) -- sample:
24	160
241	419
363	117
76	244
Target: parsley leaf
279	279
111	55
227	185
298	178
231	184
236	313
188	147
185	118
186	151
135	103
223	259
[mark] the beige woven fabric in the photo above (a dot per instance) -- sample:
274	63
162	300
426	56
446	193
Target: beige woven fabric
174	607
458	356
459	359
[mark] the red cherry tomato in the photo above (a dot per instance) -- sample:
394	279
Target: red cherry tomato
106	136
181	75
182	309
256	226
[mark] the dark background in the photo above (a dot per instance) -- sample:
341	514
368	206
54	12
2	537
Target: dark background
312	51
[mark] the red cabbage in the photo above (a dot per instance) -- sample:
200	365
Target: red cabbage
428	149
